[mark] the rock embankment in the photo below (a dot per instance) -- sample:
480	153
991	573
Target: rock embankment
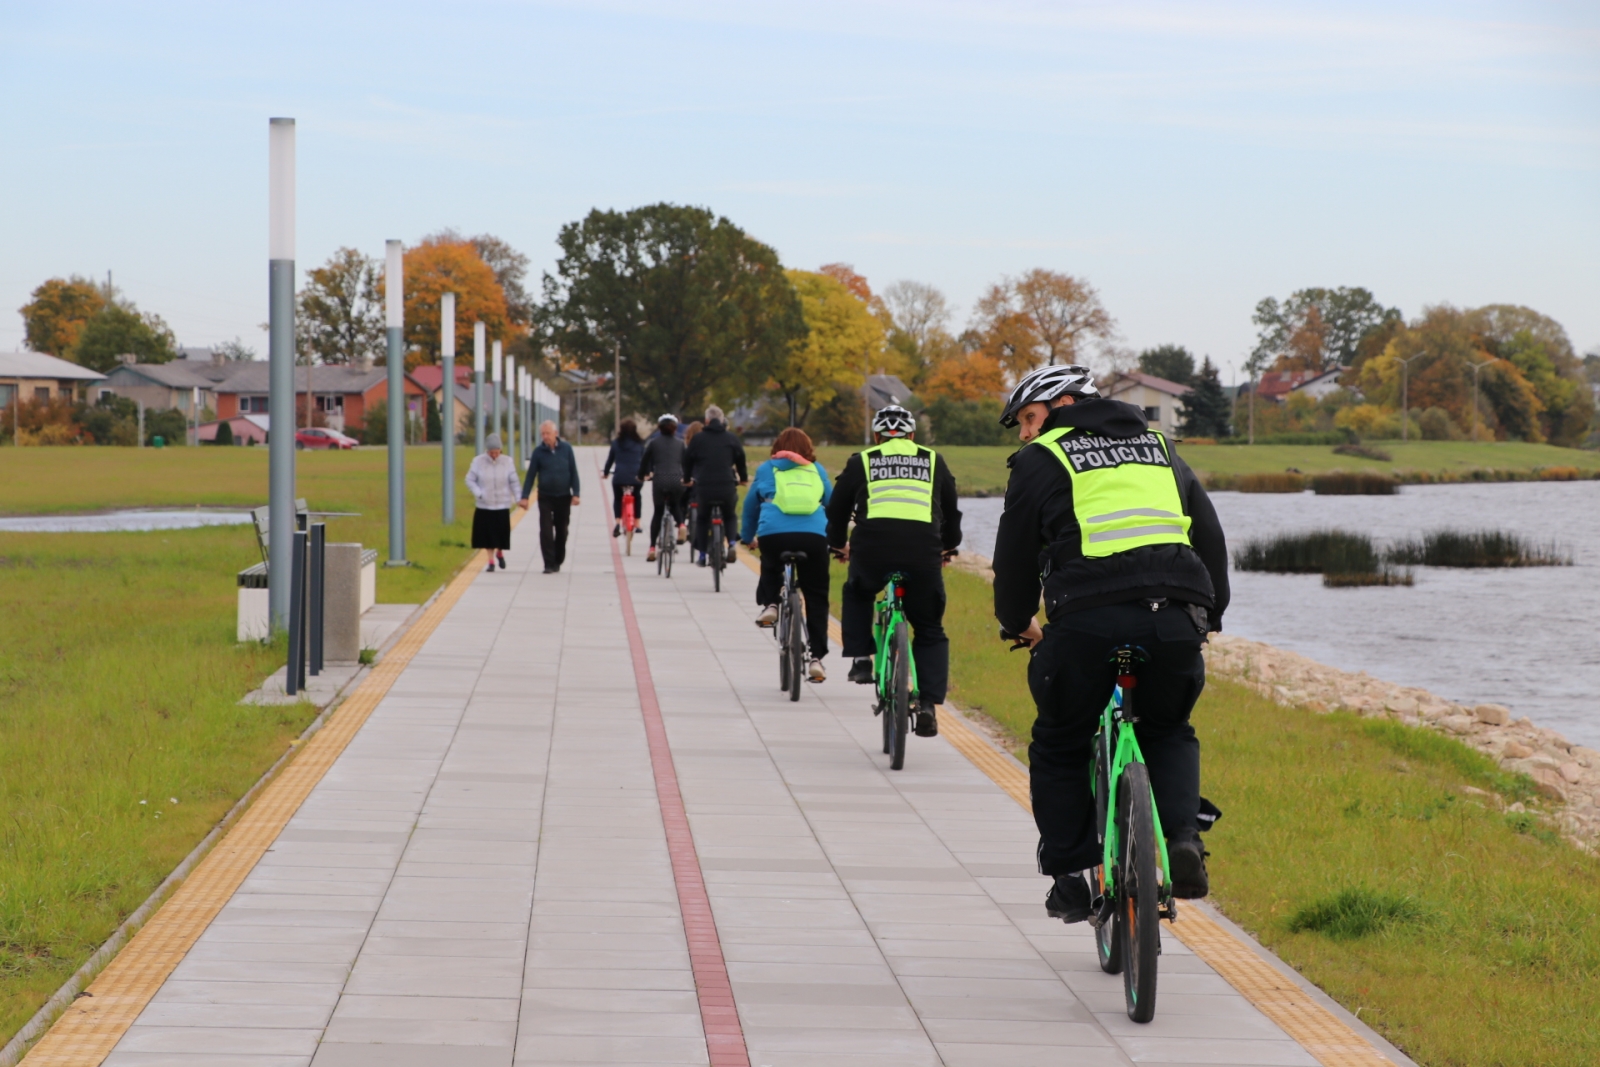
1566	774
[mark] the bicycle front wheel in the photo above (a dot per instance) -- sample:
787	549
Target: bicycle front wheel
794	650
1108	934
718	547
900	696
783	644
1140	892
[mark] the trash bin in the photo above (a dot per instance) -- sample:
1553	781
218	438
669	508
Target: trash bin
158	441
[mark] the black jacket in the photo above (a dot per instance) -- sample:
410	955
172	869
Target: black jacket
1039	535
622	462
555	469
663	461
893	542
715	458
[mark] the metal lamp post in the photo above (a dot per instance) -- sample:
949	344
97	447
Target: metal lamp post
478	357
280	368
497	370
447	404
1405	402
394	301
1476	367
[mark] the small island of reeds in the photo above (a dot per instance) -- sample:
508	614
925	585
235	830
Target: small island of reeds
1347	559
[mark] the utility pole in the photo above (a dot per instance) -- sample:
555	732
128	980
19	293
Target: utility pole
1476	367
395	307
1405	402
447	404
280	368
478	357
616	388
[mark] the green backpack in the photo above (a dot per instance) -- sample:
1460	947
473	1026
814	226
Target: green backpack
799	490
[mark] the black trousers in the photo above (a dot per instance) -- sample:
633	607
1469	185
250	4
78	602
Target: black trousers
555	512
728	498
620	491
1071	677
811	573
666	500
924	607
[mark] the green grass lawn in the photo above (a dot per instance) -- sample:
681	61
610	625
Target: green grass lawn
120	676
981	470
1375	860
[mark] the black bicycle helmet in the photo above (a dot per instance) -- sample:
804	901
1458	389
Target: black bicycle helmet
894	421
1045	384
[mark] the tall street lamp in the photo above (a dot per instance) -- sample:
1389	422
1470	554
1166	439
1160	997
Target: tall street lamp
447	404
1476	367
395	317
479	355
280	368
1405	418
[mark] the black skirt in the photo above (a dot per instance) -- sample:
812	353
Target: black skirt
491	529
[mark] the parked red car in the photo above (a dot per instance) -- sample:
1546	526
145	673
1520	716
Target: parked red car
319	437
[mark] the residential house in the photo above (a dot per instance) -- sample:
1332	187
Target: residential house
342	394
158	386
1276	385
885	389
1322	384
36	376
431	377
1160	400
246	429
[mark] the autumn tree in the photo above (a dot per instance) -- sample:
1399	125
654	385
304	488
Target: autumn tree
1315	329
966	376
339	314
1043	317
1172	362
510	270
696	306
120	329
1539	347
441	265
918	317
843	340
54	317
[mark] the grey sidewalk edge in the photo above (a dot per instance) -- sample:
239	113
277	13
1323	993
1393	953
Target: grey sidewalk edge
50	1010
1266	955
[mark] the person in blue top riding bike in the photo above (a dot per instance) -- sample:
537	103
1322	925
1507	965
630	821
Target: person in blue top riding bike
907	517
784	512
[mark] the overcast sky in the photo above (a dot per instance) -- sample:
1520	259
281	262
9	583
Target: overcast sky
1188	159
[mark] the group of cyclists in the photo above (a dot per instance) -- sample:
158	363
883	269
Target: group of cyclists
1102	520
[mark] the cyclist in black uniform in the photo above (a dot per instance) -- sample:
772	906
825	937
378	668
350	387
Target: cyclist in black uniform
1102	513
907	517
714	464
662	464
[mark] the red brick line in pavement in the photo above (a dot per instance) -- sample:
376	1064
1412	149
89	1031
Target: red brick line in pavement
718	1015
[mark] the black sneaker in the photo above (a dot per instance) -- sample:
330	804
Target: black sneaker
1188	858
927	720
501	558
861	670
731	556
1068	899
616	531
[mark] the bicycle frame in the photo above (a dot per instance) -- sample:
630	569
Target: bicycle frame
1118	726
887	613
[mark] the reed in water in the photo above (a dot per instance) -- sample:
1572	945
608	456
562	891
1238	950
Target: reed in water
1476	548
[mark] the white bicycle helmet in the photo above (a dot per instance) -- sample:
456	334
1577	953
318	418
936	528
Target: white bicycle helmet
667	418
1045	384
894	421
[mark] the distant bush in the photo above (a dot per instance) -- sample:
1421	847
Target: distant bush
1354	483
1333	438
968	422
1437	425
1348	579
1270	482
224	433
1476	548
1559	474
1320	551
1361	451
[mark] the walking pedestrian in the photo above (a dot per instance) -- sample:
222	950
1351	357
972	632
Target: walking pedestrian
554	467
492	477
622	467
784	511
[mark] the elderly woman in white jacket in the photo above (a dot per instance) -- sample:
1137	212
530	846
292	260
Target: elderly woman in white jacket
493	481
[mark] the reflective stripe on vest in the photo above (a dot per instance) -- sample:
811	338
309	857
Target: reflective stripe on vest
899	480
799	489
1124	490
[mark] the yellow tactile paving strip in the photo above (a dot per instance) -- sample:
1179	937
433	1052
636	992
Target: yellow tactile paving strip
87	1031
1317	1030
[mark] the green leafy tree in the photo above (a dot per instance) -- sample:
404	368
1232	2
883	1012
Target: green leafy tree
968	422
375	424
1206	410
339	313
1172	362
111	420
1538	346
169	424
695	305
57	313
433	428
224	434
1315	329
120	329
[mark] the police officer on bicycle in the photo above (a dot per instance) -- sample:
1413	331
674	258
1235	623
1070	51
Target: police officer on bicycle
1102	513
907	519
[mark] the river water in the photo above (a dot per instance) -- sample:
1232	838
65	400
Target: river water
121	521
1526	637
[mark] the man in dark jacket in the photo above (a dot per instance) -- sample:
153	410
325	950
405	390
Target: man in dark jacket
714	464
1130	552
902	499
662	466
554	466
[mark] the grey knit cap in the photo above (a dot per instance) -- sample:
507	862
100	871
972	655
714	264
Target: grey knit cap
492	443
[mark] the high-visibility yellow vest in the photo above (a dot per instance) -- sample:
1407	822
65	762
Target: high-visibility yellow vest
1124	490
899	480
799	489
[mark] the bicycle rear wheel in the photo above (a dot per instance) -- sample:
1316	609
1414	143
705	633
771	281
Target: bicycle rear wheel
1140	893
783	644
900	697
794	651
719	545
1108	934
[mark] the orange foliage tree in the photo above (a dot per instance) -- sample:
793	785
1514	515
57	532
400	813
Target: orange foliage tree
56	314
1042	317
968	376
443	265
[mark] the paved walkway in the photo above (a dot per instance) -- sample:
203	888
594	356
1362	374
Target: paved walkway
484	876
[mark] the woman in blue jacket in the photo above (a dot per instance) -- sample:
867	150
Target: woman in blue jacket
783	512
622	467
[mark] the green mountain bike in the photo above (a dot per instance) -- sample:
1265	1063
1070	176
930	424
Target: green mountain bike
894	672
1132	883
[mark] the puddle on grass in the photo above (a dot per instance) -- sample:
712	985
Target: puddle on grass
122	521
